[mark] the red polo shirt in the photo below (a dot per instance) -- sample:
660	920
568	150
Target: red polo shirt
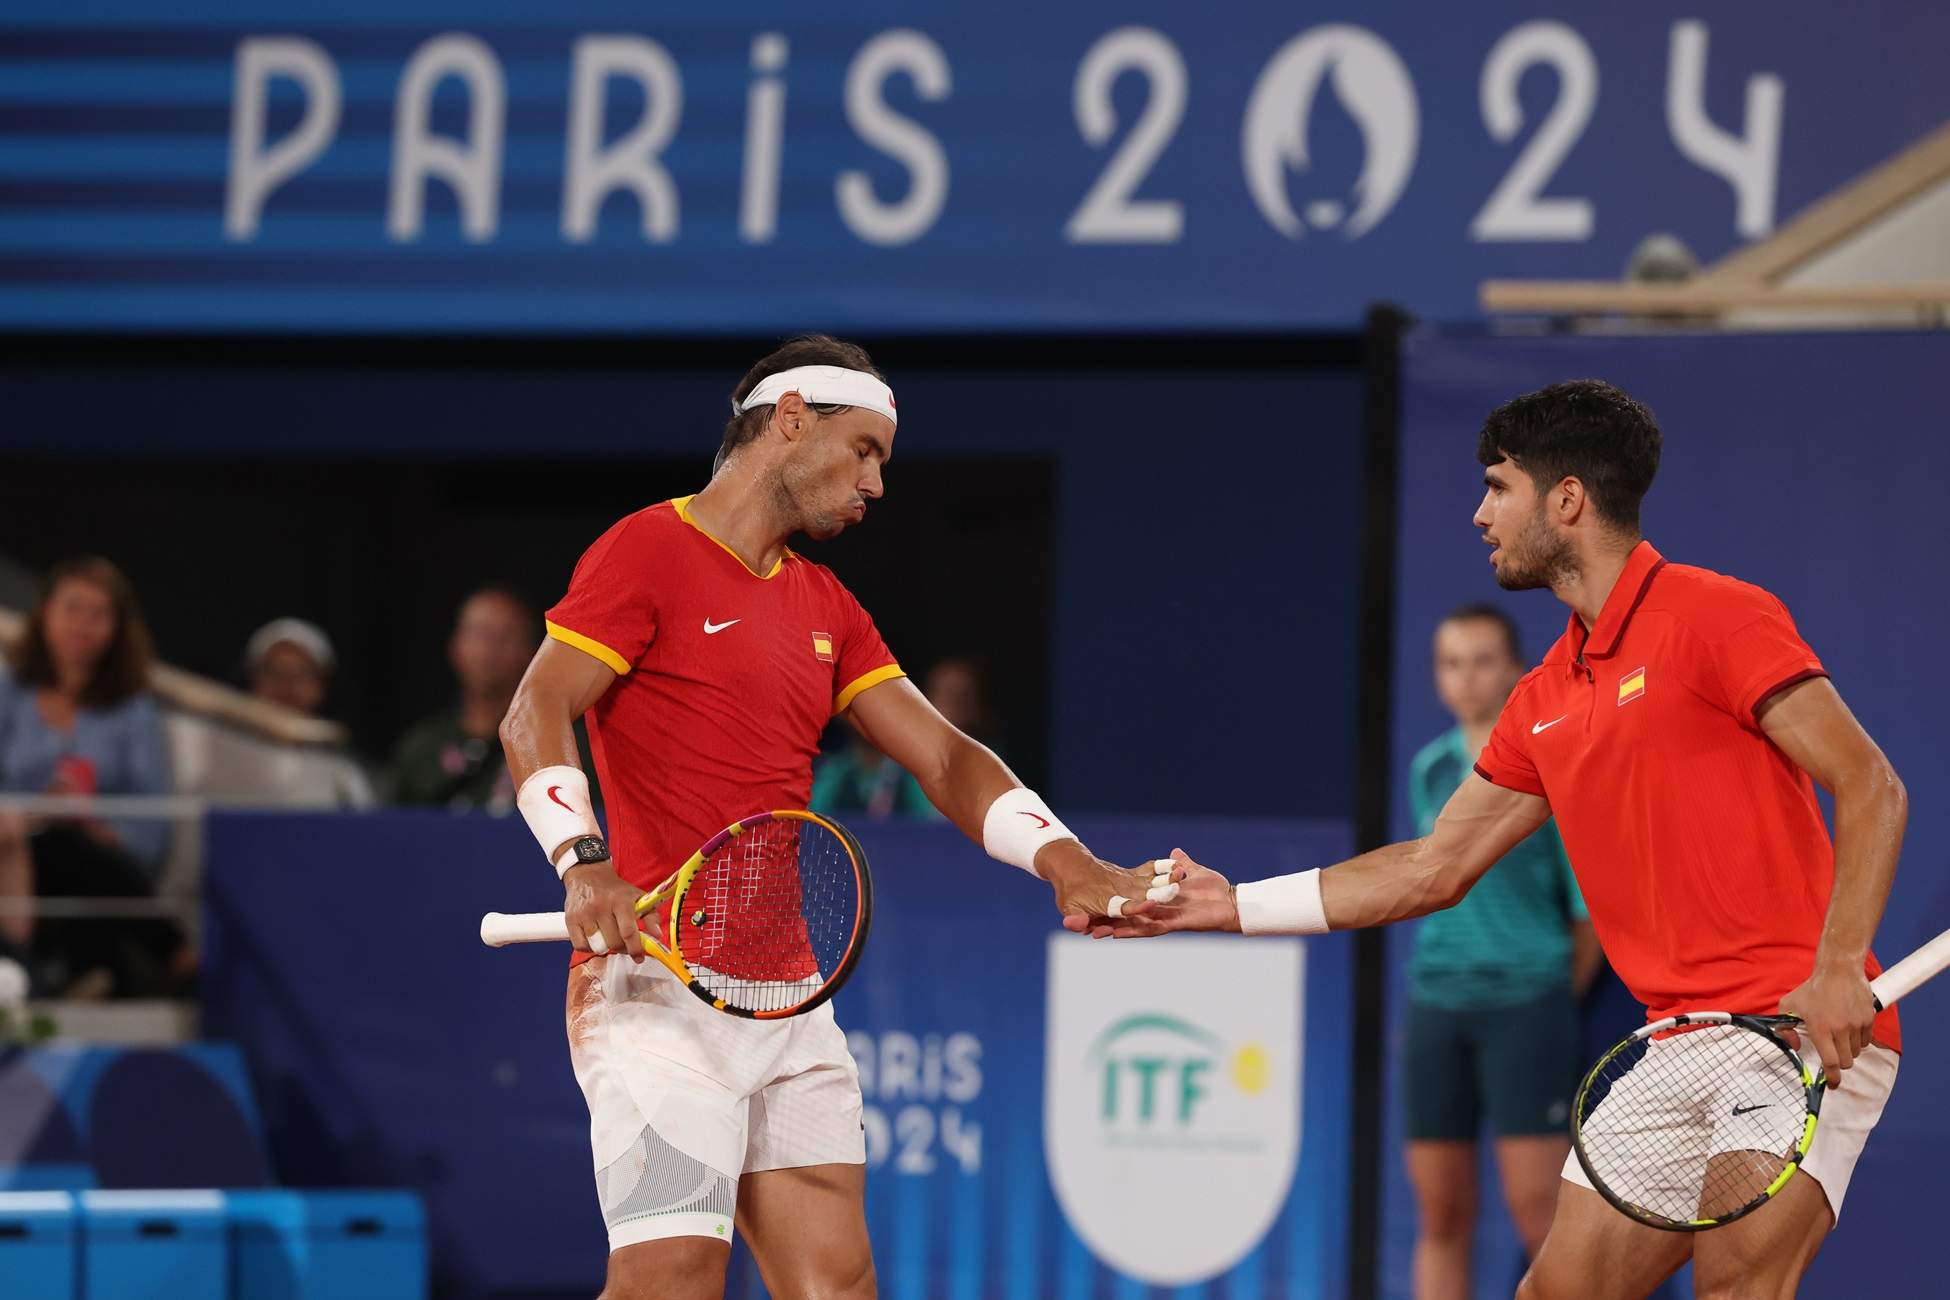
1698	845
725	679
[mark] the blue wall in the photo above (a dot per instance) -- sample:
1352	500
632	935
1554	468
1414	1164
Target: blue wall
1806	463
388	1046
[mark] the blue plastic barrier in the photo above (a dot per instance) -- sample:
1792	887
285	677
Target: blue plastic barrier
40	1245
154	1246
348	1245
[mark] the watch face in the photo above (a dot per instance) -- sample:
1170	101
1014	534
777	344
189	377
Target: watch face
591	849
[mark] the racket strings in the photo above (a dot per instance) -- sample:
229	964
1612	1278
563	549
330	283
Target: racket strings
1695	1125
771	916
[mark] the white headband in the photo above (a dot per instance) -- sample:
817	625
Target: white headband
825	386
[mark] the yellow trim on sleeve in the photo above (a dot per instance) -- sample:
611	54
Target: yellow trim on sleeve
590	646
683	506
866	681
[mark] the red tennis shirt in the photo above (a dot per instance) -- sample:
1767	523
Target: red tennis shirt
726	678
1698	845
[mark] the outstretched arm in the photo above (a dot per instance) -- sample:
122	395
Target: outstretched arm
1811	725
1480	823
964	779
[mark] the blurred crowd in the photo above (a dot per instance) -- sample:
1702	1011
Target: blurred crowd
81	716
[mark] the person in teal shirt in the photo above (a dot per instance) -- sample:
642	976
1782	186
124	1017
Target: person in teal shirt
1492	1023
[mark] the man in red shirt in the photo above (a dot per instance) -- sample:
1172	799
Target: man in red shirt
1675	730
708	658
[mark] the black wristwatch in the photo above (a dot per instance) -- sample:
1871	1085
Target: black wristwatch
590	848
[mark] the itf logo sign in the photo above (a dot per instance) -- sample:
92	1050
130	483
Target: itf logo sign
1171	1116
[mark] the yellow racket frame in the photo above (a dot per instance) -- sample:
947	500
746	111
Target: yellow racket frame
674	885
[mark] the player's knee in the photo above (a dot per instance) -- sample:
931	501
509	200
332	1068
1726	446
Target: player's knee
1446	1216
1544	1280
1537	1285
675	1268
851	1277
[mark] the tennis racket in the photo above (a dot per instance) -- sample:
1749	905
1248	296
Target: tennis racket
1699	1119
765	921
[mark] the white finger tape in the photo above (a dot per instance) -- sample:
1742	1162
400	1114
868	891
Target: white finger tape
1116	908
1162	893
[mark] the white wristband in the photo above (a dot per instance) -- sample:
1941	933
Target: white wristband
1017	824
1282	905
555	804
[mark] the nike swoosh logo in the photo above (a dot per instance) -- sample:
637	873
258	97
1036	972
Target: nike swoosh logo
1042	823
1742	1110
558	798
712	629
1536	727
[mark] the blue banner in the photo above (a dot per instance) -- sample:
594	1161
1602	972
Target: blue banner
390	1048
506	165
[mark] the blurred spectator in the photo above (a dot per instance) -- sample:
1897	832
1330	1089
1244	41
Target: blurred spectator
1492	1025
77	718
954	687
860	779
453	759
290	663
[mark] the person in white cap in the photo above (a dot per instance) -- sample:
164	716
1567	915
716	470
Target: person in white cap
709	658
290	663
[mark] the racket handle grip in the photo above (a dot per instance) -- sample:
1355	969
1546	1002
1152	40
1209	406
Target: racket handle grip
499	928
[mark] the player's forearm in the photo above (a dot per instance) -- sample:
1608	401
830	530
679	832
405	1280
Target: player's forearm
966	784
966	780
1871	814
1393	883
538	732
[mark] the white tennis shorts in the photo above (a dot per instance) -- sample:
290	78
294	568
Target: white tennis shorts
684	1099
1847	1118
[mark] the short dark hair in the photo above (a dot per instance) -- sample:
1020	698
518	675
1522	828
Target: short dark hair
504	591
124	667
1493	614
1584	428
805	350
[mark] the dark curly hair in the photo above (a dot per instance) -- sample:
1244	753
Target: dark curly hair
1586	429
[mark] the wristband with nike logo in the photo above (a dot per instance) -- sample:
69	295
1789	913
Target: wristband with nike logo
1017	824
555	804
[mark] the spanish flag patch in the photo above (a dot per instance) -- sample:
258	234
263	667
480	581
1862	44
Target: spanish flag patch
823	646
1631	686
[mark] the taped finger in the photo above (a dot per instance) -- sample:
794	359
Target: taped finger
1162	893
1116	907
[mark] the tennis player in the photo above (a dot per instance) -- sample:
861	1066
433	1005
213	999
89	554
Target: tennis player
1675	730
708	658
